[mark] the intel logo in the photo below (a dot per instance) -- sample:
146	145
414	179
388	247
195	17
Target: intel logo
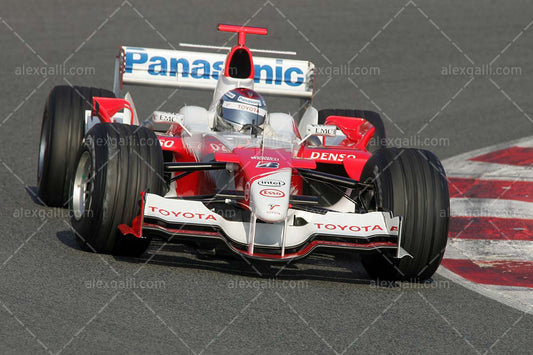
271	183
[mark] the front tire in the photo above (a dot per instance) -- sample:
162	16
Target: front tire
62	131
410	183
115	164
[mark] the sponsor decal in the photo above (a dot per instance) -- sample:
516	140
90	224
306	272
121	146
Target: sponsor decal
269	165
218	147
171	117
244	107
345	227
259	157
206	69
331	156
274	209
166	143
322	130
249	101
183	214
271	183
275	193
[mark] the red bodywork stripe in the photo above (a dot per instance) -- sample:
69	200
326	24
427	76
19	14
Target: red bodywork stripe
510	156
136	224
501	272
317	243
507	190
182	231
242	31
491	228
107	107
308	248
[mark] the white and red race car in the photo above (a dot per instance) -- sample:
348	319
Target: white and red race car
276	189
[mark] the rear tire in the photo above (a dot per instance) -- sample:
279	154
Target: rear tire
377	141
115	164
411	183
62	131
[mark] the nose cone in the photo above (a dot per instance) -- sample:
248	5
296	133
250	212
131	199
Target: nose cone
269	196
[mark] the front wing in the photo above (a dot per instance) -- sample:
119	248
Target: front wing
302	232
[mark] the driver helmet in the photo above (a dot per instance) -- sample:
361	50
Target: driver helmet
239	110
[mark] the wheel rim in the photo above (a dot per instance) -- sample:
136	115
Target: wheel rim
81	192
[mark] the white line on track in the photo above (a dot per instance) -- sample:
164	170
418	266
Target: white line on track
489	250
488	171
517	297
486	207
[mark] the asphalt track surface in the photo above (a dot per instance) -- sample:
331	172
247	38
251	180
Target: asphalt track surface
56	298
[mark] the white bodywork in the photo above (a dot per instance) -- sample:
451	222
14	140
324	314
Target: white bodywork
201	70
185	212
271	203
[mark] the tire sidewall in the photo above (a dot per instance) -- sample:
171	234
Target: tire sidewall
91	220
44	147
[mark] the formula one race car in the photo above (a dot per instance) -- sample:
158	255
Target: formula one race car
235	176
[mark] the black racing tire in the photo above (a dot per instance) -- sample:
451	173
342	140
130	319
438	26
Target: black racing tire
410	183
115	163
62	131
377	141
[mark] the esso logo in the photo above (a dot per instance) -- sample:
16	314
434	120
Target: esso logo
272	193
166	143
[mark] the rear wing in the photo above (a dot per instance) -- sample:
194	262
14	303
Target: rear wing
201	70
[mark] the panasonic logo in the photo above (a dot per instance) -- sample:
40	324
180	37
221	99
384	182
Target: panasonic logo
203	69
271	183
